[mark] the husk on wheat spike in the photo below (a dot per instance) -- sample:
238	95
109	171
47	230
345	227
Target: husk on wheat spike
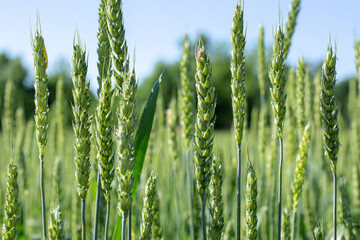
290	25
82	120
147	211
216	202
56	227
104	142
125	137
251	203
117	41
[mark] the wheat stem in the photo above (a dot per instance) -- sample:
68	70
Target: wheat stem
123	232
83	222
203	222
335	202
42	192
238	222
107	220
190	192
96	217
280	187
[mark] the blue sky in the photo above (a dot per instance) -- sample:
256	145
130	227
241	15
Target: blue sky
154	28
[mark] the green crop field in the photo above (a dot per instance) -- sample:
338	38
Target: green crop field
288	168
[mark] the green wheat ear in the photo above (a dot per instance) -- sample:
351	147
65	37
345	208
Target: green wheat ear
147	211
104	142
345	215
278	81
56	228
300	167
317	234
125	137
12	205
216	202
300	95
251	203
187	95
41	92
237	66
116	34
82	120
157	229
290	25
286	228
328	109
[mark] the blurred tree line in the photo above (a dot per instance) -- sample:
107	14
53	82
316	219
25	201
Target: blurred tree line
14	70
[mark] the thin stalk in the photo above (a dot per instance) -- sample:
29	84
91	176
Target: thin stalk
293	225
42	192
107	220
177	202
129	225
98	189
280	187
83	223
203	223
334	205
238	192
123	232
190	189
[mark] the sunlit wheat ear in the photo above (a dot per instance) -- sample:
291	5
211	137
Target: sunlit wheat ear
41	91
205	119
300	167
103	48
328	108
116	34
216	202
104	142
56	228
187	95
125	138
82	120
290	25
12	205
300	95
345	213
317	233
261	65
278	81
147	211
237	67
156	228
251	203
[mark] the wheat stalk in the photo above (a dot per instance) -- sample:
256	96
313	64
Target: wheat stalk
81	126
204	126
125	148
329	117
41	109
237	66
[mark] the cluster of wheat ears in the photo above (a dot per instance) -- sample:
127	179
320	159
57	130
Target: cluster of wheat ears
119	150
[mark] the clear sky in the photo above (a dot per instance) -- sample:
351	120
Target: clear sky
155	27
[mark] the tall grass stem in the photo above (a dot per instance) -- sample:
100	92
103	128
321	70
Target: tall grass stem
83	222
107	220
280	187
203	222
190	188
42	192
238	224
334	204
123	232
98	189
